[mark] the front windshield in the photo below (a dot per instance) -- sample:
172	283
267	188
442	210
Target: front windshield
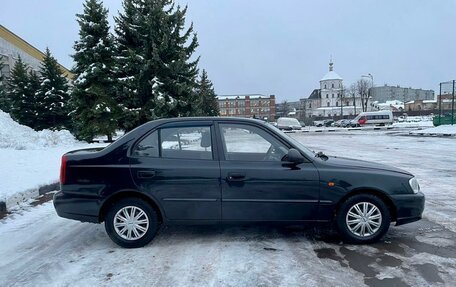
296	143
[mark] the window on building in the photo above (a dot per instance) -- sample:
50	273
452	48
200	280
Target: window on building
333	96
332	85
327	95
328	104
325	86
337	104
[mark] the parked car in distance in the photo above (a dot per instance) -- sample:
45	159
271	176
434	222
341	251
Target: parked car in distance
328	123
288	124
342	123
324	123
380	118
214	170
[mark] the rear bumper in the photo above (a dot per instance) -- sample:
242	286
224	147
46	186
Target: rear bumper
409	207
76	208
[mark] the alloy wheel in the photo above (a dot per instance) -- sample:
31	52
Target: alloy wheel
131	223
364	219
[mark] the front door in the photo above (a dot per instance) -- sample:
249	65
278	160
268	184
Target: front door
256	184
177	165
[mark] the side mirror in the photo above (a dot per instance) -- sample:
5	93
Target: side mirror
295	156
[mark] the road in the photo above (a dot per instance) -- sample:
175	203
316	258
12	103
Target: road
38	248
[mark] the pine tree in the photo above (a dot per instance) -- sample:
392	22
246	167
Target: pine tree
4	101
93	95
20	95
207	104
179	73
153	63
52	98
32	88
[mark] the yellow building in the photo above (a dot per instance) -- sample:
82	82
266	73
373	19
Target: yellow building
12	46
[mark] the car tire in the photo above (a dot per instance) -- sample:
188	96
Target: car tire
356	225
131	231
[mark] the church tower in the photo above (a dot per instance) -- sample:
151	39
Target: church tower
331	87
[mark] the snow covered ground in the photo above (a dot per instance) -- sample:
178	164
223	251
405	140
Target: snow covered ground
30	159
38	248
440	130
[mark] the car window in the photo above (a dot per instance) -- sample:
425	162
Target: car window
249	143
148	147
186	143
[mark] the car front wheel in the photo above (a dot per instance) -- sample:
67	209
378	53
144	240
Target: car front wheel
363	218
131	223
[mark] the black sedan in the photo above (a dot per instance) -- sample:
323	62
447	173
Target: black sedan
228	170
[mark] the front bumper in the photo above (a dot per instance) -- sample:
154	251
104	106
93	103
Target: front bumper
77	208
409	207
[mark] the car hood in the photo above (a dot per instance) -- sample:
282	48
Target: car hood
348	162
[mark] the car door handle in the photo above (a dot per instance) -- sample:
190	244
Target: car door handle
146	174
236	176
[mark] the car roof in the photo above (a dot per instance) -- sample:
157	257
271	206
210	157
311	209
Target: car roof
186	119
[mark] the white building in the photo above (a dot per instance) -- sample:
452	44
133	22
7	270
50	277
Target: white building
331	88
331	99
12	47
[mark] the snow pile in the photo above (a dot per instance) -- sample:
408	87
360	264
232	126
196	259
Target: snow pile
440	130
413	124
19	137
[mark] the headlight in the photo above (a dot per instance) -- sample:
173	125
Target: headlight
414	185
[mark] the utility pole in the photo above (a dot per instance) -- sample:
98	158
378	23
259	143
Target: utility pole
342	103
440	104
372	82
452	106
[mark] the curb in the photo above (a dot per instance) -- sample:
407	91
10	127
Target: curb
9	203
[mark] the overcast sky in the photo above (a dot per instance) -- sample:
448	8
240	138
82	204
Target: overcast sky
283	47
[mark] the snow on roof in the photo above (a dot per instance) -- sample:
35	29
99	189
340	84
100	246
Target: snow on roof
331	75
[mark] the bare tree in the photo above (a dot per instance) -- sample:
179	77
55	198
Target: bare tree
341	95
362	88
285	108
352	92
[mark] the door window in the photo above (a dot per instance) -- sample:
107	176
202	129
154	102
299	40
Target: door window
147	147
186	143
249	143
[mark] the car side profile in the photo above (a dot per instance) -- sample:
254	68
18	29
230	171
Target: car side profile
228	170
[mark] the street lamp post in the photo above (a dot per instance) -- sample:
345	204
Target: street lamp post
372	82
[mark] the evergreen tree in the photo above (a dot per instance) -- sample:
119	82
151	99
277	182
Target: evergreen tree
4	101
179	74
93	95
32	87
153	63
207	104
20	95
52	98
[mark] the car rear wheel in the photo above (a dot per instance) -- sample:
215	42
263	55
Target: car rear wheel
131	223
363	218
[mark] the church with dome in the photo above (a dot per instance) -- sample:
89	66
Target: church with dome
330	100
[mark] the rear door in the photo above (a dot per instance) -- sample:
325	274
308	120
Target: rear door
178	165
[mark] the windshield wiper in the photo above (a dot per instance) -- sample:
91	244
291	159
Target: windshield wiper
321	155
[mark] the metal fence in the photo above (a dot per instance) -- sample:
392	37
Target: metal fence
446	104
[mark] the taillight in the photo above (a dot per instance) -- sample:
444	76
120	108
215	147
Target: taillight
63	170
